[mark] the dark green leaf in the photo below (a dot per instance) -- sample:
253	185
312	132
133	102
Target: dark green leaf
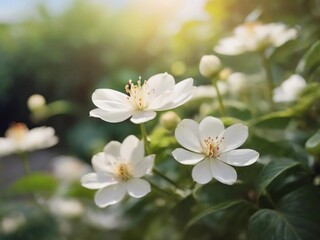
216	208
271	171
295	218
311	60
313	144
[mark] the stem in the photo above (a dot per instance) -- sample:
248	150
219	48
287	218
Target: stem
145	138
148	151
267	68
25	162
165	177
222	109
173	196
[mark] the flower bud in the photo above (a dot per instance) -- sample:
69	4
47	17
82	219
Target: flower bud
36	101
209	65
169	120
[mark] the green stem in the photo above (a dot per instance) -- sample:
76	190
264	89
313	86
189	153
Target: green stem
148	151
173	196
267	68
165	177
25	162
221	106
145	139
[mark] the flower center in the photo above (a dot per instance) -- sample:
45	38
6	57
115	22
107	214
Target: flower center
138	95
123	171
251	26
212	147
17	132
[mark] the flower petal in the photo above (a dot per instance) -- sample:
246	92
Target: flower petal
100	163
110	195
137	187
210	127
92	181
182	92
161	83
112	148
234	136
186	157
240	157
100	95
201	172
223	172
143	116
143	167
7	146
111	116
132	149
187	134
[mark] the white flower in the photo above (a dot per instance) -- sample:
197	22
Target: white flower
119	170
209	65
158	93
290	89
12	222
65	207
68	168
238	81
255	36
20	139
213	149
209	91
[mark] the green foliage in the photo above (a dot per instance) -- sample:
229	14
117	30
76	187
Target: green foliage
271	171
295	217
36	182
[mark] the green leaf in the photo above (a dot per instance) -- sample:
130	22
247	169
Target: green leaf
216	208
311	60
313	144
34	183
295	218
271	171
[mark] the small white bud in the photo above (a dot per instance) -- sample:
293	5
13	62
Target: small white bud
36	101
169	120
209	65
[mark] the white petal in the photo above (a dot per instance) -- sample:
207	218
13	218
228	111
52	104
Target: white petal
223	172
234	136
112	106
186	157
201	172
100	163
39	138
110	195
109	95
161	83
112	148
92	181
111	116
132	149
7	146
103	164
187	134
137	187
141	117
240	157
181	93
210	127
143	167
